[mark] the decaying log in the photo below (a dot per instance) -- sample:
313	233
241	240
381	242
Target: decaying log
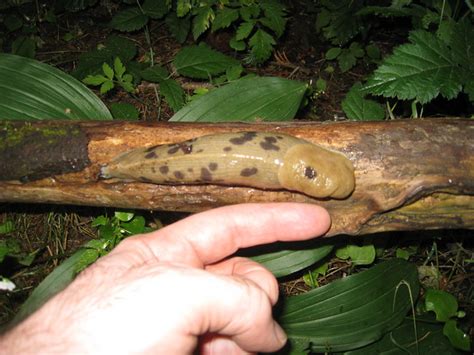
410	174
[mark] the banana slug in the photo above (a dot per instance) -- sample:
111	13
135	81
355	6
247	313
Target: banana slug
256	159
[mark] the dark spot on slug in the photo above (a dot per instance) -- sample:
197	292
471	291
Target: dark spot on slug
279	137
151	155
144	179
213	166
248	172
164	169
153	170
244	138
149	149
200	150
206	175
184	147
269	144
190	170
227	149
178	175
310	173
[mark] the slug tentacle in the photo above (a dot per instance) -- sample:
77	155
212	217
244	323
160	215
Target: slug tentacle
256	159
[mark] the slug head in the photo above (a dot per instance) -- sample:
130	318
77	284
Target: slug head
317	172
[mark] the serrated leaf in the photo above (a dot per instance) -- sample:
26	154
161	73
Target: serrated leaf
94	80
106	86
346	60
173	93
202	62
420	70
261	44
353	311
202	20
127	86
274	16
234	72
179	27
156	9
333	53
117	46
237	45
224	18
108	71
244	30
246	99
344	23
127	78
119	68
155	74
33	90
129	20
124	111
356	107
183	7
249	12
286	262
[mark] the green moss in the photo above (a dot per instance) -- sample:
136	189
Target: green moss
17	134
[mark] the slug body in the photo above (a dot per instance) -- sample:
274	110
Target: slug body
255	159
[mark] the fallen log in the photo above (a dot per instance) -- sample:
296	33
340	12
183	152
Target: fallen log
410	174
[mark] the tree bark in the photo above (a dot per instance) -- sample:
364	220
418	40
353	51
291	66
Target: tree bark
410	174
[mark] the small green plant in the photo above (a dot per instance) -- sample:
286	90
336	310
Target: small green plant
256	23
445	306
111	78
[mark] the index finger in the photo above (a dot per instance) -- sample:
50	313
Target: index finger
211	236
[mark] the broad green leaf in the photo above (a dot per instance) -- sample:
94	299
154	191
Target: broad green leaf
311	277
456	336
428	339
224	18
285	262
364	255
201	62
244	30
234	72
155	74
173	93
356	107
32	90
261	44
442	303
124	111
373	51
56	281
353	311
418	71
246	99
129	20
156	9
249	12
202	20
183	7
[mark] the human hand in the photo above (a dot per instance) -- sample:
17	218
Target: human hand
174	289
